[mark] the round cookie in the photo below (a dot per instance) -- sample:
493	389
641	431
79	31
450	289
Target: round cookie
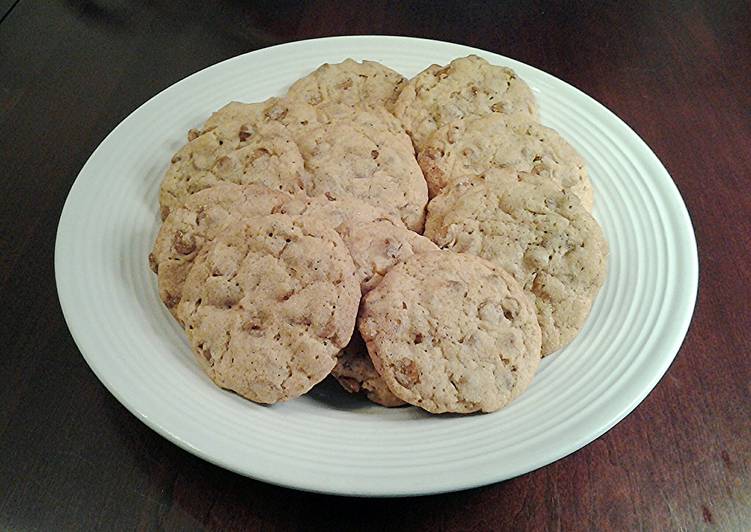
540	234
366	156
355	372
234	152
468	86
349	82
268	304
451	332
474	145
201	218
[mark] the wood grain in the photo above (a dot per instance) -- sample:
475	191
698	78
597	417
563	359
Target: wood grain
72	458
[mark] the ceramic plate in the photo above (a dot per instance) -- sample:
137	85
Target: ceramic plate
327	441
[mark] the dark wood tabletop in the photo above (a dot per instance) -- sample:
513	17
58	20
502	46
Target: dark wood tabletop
71	457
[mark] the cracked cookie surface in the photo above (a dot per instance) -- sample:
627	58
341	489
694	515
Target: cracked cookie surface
540	234
451	332
268	304
468	86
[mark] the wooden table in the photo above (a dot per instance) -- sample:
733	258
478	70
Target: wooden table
71	457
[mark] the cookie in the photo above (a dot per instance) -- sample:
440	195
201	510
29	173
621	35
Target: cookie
355	372
540	234
474	145
268	304
347	152
367	156
234	152
451	332
468	86
201	218
349	82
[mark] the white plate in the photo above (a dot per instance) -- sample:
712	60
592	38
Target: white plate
327	441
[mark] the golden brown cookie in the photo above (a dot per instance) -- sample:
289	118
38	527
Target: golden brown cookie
540	234
451	332
366	155
474	146
202	217
234	152
468	86
268	304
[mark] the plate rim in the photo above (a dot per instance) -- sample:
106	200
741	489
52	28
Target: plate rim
679	326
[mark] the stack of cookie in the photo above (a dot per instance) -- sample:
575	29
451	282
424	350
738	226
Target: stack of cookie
285	220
